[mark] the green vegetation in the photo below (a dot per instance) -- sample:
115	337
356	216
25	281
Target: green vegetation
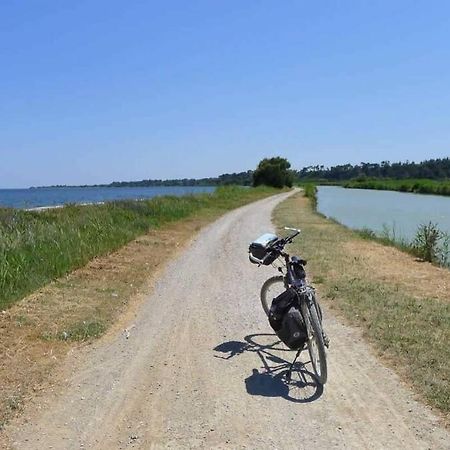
385	174
433	169
226	179
428	177
407	322
83	331
36	247
419	186
79	331
273	172
386	237
429	244
310	191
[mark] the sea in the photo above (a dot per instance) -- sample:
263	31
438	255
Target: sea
59	196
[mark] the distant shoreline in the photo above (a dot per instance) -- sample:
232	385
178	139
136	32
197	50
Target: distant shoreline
241	179
112	185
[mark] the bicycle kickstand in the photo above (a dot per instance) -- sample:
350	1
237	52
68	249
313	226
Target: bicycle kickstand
289	372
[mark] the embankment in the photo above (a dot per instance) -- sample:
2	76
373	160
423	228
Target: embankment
401	304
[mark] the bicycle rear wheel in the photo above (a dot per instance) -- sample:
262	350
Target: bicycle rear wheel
316	346
272	288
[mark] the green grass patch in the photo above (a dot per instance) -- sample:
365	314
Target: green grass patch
37	247
83	331
80	331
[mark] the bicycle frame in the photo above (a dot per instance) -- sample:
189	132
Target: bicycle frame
291	277
303	289
309	308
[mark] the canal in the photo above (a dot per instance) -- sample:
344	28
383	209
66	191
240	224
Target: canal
398	213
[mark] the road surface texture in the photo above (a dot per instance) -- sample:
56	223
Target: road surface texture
200	368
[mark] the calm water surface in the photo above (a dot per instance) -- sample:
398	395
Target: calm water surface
402	212
32	198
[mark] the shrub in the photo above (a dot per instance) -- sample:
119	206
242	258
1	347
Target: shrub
310	191
427	242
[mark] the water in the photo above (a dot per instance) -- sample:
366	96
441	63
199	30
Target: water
400	213
32	198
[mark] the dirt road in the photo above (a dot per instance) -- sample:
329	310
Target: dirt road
199	368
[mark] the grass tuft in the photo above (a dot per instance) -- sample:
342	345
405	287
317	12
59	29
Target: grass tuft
83	331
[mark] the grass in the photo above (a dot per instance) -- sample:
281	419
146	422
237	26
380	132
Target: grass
80	331
37	247
386	237
407	321
419	186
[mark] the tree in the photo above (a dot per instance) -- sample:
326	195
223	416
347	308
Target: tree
273	172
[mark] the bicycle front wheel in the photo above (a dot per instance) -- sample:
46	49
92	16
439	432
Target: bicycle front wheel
272	288
316	346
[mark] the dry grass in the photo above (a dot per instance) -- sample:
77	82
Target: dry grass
401	304
420	280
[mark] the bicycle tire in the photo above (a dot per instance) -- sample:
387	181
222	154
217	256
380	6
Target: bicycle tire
316	346
272	285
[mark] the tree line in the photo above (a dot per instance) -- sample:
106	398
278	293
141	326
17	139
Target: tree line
240	178
270	171
433	169
277	172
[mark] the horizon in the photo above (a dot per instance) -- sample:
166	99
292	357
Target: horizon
107	184
97	91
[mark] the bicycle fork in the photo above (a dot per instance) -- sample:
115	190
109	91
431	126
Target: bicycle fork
311	299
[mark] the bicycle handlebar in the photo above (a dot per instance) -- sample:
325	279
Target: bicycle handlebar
288	239
277	247
280	243
292	229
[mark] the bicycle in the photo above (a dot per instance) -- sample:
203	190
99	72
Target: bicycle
264	251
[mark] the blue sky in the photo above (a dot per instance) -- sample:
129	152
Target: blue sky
96	91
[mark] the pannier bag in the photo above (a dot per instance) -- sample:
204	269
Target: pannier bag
287	321
260	249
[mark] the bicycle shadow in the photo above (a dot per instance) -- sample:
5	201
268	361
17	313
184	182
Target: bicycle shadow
271	379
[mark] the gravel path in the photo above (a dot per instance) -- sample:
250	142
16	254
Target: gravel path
192	371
